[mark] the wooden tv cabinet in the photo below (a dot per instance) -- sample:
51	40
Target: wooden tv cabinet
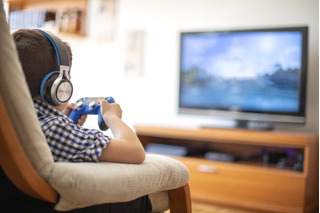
246	183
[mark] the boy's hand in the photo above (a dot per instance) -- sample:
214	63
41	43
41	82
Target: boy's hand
73	106
82	120
109	110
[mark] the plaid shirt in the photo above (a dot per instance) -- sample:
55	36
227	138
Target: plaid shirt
68	141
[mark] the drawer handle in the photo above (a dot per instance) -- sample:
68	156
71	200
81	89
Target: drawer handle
207	169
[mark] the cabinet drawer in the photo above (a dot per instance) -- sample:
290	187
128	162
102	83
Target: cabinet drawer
245	185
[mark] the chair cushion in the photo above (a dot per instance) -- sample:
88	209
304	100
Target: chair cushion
86	184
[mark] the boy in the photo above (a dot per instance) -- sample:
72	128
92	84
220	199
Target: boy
69	141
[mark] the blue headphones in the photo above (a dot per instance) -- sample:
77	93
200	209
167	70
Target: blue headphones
56	87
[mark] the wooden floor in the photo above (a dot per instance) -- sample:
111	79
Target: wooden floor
204	208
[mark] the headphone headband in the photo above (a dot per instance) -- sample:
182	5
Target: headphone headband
61	52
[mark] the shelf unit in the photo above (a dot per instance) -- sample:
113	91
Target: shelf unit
68	15
246	184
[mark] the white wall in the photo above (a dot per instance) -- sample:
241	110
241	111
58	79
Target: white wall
152	98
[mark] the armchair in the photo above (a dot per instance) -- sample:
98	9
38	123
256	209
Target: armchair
30	181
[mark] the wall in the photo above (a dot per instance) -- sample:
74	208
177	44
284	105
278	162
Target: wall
152	97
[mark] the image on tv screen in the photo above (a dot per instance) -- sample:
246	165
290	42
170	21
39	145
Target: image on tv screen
241	71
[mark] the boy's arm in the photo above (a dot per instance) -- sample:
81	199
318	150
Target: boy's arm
126	146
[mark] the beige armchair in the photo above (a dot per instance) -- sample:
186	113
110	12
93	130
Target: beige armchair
26	161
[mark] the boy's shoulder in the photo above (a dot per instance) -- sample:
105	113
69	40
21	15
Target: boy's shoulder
45	108
48	114
51	118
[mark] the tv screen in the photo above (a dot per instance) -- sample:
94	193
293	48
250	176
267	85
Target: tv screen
245	74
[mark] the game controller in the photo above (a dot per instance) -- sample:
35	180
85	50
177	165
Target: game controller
89	106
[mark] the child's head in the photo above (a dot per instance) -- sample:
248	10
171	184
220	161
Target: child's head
37	57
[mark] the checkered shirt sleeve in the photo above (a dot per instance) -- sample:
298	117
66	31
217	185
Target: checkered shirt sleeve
68	141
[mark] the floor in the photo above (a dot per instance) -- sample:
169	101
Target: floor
203	208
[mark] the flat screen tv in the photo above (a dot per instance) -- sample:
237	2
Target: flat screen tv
255	76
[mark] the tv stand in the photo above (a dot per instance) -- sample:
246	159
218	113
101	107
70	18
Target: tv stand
252	181
254	125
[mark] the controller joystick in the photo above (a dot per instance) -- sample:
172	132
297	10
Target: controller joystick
89	106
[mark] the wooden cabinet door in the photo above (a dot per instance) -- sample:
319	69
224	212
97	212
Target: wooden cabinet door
246	185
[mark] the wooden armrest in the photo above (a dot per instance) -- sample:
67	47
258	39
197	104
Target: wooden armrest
180	200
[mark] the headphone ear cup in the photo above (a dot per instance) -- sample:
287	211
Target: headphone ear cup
63	91
46	86
56	93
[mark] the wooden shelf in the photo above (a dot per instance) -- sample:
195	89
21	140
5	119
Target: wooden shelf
246	184
69	15
231	136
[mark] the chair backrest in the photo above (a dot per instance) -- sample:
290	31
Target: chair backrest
24	154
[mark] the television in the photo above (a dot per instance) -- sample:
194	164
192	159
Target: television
256	77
